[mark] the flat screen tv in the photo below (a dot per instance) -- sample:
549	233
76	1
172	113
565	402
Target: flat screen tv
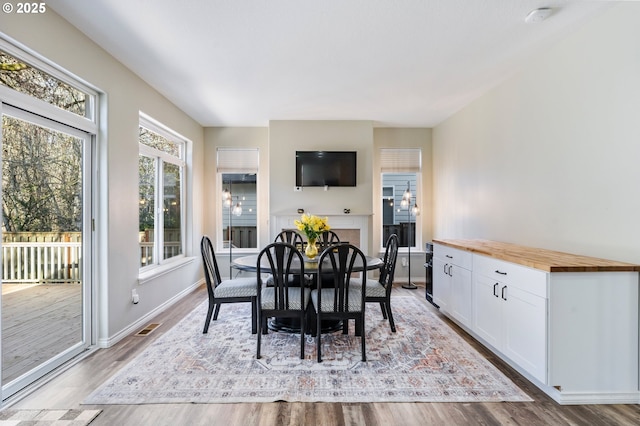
325	168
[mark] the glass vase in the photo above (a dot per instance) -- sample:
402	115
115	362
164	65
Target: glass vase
312	250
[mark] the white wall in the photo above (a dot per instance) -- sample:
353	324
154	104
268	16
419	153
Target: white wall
550	158
117	220
287	137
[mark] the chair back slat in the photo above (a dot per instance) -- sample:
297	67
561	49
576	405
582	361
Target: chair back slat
211	271
280	257
347	266
343	260
389	262
290	236
327	239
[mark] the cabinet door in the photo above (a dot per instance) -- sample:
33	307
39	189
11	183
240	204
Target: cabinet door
441	284
525	331
487	310
460	299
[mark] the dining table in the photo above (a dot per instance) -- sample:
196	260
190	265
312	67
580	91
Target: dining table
291	325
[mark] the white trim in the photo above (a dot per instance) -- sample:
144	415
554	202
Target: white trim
29	103
160	157
156	126
584	398
19	50
85	123
347	221
152	272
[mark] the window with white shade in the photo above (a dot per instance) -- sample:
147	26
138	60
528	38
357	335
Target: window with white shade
400	177
237	170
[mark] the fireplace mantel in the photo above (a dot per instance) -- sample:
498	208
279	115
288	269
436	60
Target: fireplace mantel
337	222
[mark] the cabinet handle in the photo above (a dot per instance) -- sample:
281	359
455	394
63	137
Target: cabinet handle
495	287
500	272
449	273
503	291
444	268
450	257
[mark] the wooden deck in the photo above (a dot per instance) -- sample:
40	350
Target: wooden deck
69	389
38	322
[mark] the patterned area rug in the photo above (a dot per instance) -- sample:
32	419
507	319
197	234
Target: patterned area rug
425	361
47	417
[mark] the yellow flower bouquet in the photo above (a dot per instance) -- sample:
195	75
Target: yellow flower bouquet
312	226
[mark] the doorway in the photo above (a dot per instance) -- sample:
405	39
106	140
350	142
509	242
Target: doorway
46	246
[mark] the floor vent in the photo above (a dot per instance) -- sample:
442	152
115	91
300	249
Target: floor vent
148	329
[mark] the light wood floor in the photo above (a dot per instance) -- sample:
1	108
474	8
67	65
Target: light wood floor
70	388
38	322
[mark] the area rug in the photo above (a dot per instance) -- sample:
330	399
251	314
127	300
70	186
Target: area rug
12	417
424	361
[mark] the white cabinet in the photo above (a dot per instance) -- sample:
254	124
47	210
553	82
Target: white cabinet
525	337
568	323
452	282
460	301
441	284
487	319
510	312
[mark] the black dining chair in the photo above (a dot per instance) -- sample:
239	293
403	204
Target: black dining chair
345	299
290	236
234	290
285	298
379	291
326	239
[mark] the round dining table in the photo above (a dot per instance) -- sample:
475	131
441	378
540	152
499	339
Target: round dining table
250	263
291	325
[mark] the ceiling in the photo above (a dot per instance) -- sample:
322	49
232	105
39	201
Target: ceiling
404	63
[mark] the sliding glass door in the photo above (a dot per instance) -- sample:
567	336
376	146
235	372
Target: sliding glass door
46	246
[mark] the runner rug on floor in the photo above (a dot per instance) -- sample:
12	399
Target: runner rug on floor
424	361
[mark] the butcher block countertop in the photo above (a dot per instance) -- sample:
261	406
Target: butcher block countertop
546	260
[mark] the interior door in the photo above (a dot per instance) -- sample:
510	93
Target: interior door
46	246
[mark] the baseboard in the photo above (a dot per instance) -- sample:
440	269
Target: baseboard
141	322
584	398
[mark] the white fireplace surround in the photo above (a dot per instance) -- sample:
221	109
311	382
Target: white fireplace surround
337	222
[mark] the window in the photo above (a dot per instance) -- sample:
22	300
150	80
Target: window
400	194
238	173
24	78
161	189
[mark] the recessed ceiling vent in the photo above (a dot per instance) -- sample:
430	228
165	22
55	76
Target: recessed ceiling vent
538	15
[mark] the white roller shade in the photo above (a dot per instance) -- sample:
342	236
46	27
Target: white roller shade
237	160
399	160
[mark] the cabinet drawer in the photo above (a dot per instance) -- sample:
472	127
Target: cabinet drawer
453	256
527	279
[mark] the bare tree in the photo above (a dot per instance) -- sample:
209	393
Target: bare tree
41	167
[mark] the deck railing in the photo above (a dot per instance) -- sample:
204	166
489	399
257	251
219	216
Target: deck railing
29	262
170	249
47	257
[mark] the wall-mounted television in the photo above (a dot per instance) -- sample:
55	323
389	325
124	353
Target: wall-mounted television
325	168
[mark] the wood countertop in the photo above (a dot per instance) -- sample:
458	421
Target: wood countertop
546	260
